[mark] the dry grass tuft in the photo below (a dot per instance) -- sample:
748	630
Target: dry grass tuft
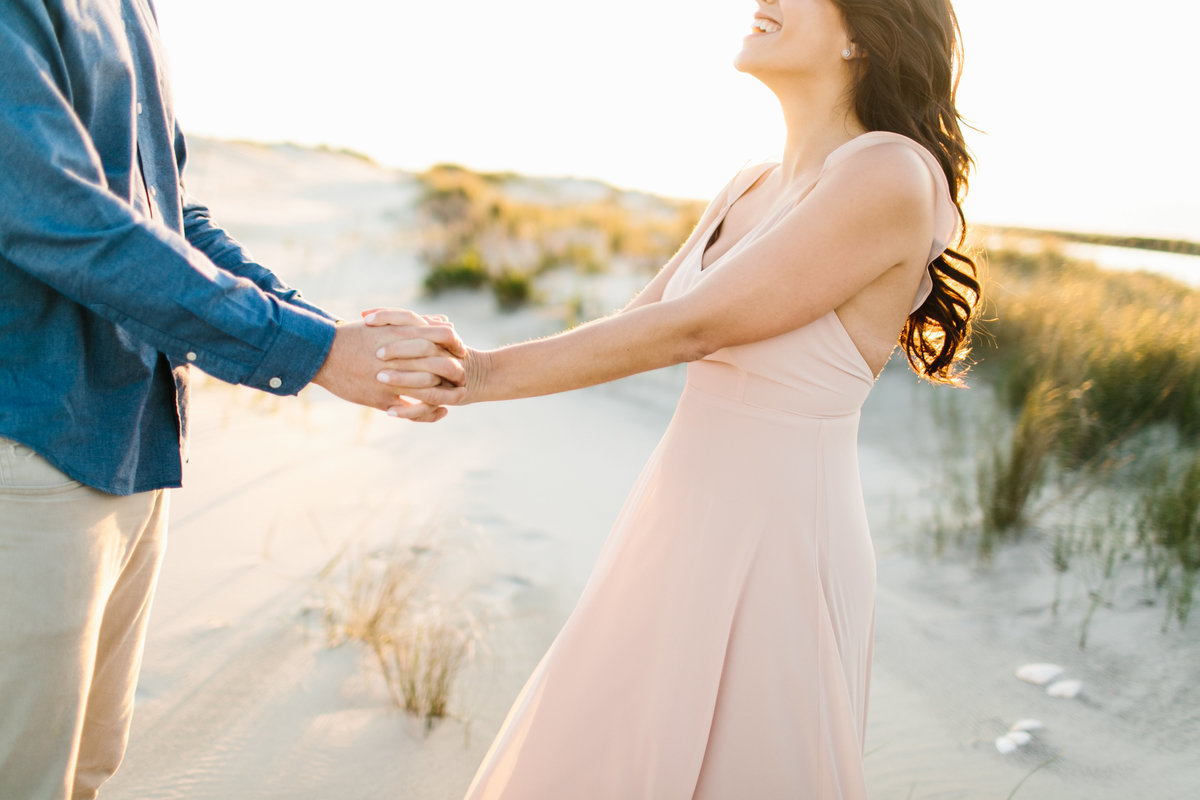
420	645
421	660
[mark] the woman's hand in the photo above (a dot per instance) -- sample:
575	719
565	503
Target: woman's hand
417	364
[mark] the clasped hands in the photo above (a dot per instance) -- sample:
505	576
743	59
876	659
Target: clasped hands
397	361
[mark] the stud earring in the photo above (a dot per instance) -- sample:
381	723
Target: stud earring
847	53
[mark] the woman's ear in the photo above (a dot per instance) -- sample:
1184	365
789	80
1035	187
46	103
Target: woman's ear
853	51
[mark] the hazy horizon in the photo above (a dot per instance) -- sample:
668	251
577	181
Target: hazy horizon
644	97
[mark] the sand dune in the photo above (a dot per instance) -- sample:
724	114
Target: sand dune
241	698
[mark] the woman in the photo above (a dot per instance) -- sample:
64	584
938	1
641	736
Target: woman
722	647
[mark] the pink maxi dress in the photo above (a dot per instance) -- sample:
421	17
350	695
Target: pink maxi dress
721	649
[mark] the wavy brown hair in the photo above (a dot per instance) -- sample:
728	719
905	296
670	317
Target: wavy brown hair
907	84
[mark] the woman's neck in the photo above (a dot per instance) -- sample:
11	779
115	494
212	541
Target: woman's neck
819	120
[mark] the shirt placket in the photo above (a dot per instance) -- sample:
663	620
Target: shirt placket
132	10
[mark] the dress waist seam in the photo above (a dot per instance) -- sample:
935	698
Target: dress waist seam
757	393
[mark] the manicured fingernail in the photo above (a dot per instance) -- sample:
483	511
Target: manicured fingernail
370	317
381	353
392	412
382	377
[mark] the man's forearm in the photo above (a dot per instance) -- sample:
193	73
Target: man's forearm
225	251
228	253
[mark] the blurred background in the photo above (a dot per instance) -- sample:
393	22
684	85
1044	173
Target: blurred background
1082	105
349	605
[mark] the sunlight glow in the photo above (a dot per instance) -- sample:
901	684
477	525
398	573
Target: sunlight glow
1087	118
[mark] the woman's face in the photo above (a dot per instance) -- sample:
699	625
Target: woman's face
793	37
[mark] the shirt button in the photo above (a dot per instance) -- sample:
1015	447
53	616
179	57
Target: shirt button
191	356
139	108
275	383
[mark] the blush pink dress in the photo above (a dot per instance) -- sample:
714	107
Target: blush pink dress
722	646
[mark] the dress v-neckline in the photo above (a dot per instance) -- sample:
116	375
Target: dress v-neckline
715	229
720	220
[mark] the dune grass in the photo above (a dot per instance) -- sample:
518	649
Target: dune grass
421	659
1100	373
379	600
502	232
1126	343
1010	474
1169	531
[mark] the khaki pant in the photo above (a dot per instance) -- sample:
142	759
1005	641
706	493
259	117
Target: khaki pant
77	573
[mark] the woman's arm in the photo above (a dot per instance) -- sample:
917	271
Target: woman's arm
869	214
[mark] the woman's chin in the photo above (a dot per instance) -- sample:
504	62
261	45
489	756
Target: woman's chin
744	62
749	65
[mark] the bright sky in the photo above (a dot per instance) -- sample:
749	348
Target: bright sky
1088	105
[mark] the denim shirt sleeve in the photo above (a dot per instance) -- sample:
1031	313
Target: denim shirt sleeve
225	251
60	223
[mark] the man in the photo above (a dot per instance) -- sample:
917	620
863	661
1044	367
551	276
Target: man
112	282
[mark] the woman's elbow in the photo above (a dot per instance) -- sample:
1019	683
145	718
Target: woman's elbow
684	335
697	343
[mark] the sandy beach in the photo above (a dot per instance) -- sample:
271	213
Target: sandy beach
241	697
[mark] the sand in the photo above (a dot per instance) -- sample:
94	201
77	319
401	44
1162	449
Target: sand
242	699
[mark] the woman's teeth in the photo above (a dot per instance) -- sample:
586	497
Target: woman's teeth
766	26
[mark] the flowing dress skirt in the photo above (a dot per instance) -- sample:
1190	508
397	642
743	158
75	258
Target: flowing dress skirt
722	647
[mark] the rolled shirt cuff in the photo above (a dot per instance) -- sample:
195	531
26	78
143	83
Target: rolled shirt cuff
296	355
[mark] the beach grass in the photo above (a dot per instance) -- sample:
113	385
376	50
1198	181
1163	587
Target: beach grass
380	600
503	232
1015	463
1099	372
463	269
1126	343
1169	530
421	660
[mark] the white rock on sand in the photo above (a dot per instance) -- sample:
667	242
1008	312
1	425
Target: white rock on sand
1028	725
1006	745
1039	674
1065	690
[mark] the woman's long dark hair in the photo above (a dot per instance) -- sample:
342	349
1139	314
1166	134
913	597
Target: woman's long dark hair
907	84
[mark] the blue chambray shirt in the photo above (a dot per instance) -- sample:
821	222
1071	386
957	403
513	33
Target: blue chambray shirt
112	280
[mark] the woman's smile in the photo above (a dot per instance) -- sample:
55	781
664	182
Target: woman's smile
764	25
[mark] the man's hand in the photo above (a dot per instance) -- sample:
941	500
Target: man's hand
422	352
421	396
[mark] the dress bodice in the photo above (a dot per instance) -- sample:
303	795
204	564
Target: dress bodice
815	370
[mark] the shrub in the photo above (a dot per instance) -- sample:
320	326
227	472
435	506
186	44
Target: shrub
512	288
466	271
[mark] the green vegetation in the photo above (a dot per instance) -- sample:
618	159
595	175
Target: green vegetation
1169	530
465	271
512	288
1126	346
1011	473
503	232
1099	372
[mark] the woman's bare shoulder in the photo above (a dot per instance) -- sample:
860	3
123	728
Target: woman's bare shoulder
895	169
